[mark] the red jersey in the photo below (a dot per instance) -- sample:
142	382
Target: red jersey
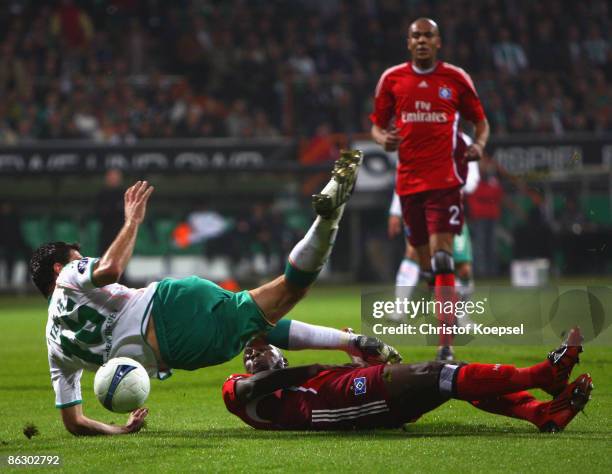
340	398
425	107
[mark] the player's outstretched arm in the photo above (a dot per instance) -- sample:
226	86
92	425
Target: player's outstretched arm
79	425
269	381
114	262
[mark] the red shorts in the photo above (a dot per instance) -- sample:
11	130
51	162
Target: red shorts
432	212
354	399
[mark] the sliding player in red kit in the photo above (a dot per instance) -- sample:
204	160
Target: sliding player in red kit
417	108
271	396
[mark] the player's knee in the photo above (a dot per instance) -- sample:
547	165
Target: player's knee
442	262
276	298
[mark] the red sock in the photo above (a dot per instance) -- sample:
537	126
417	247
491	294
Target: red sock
445	291
521	405
480	381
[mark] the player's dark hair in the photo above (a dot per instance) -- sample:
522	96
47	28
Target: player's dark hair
43	259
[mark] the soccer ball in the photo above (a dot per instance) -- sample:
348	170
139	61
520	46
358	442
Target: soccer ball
122	385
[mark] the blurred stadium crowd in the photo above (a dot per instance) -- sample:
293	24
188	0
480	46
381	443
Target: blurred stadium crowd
122	70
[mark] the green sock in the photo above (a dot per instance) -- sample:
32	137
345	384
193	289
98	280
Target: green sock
279	335
300	278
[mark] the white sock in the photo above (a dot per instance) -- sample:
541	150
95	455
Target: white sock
311	253
309	336
406	279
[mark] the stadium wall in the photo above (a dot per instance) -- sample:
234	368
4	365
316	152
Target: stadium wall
53	185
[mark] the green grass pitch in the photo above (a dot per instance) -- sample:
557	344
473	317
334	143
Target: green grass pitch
189	429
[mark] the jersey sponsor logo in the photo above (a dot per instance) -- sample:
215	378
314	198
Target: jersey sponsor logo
423	113
423	84
427	117
82	265
359	385
445	93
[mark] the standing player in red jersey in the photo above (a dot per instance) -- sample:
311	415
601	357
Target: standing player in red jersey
417	108
271	396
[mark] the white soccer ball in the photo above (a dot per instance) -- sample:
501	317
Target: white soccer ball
122	385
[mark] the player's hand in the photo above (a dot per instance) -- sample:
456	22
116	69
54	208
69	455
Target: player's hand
136	420
135	199
391	140
474	152
394	227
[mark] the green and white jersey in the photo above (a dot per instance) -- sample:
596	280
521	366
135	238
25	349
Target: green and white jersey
88	326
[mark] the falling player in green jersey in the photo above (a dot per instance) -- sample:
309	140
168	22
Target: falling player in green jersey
183	324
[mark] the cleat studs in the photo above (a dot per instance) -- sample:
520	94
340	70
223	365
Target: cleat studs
352	156
340	187
340	175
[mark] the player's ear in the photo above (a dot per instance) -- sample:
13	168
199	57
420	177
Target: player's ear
57	268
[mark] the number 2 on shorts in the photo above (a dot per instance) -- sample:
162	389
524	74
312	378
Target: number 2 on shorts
454	212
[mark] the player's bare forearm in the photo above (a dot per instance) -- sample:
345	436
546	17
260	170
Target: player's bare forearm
269	381
378	134
481	136
115	260
79	425
388	139
89	427
481	133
